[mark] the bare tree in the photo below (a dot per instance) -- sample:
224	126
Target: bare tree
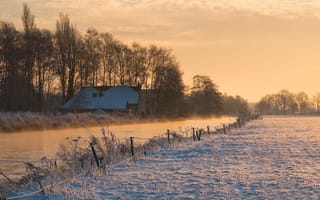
93	54
123	59
44	66
302	101
29	39
108	69
139	68
157	57
67	44
285	101
205	96
316	101
235	106
169	88
11	57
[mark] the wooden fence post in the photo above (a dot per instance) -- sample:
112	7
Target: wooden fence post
224	128
208	129
55	164
168	134
239	122
94	154
132	147
198	134
193	134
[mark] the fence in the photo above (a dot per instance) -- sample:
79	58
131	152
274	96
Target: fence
169	138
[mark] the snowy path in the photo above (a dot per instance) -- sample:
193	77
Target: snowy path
274	158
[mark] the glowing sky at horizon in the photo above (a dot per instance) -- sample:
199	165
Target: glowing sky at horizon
248	47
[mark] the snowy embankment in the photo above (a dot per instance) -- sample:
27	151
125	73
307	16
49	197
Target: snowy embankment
274	158
18	121
21	121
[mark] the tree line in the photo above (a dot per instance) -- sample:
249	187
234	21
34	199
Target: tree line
286	102
41	69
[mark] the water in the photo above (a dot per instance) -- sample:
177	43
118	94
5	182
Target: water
33	145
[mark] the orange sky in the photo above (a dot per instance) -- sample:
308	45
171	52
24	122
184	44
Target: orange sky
248	47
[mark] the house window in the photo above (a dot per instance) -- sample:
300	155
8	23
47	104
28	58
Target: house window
100	94
94	94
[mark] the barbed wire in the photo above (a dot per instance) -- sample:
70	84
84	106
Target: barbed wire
20	161
140	138
34	192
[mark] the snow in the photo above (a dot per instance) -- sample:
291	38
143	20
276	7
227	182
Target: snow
92	98
274	158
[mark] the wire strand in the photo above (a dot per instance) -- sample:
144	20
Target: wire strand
20	161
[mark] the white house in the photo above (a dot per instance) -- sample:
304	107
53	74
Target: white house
117	98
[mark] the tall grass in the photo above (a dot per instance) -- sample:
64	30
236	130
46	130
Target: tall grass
20	121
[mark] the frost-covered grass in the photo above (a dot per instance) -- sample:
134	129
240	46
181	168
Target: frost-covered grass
274	158
21	121
81	157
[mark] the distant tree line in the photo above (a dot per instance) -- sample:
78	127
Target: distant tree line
41	69
235	106
285	102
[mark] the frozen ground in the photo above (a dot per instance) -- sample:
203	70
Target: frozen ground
274	158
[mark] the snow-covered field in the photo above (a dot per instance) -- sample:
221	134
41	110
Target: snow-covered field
273	158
